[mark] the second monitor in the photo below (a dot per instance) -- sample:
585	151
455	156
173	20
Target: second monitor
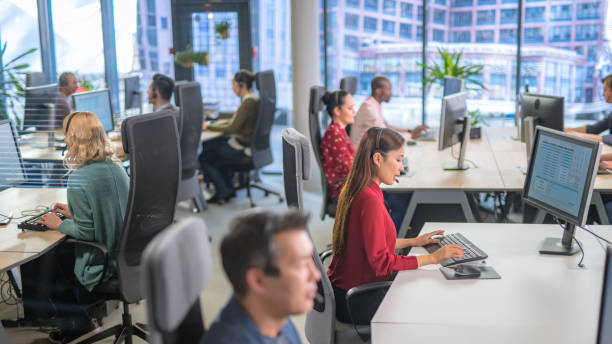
454	128
546	111
97	102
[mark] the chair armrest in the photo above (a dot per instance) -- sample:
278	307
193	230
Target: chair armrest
376	292
97	245
325	254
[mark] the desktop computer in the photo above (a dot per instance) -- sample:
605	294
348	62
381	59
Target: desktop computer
39	105
35	79
133	96
559	180
547	111
454	128
12	171
604	335
97	102
453	85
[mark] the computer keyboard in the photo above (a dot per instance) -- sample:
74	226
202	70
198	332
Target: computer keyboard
471	252
31	223
429	135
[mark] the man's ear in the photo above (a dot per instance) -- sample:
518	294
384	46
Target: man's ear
254	279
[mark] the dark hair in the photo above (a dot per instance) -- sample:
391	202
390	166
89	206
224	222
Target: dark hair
245	77
63	78
379	82
375	140
607	81
249	243
333	100
164	84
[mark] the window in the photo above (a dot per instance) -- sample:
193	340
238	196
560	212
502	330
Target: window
419	32
370	24
351	43
406	10
507	36
151	6
487	2
486	17
154	61
420	13
560	12
151	20
535	14
462	3
592	53
509	16
440	2
509	1
461	36
484	36
388	27
534	35
405	31
579	50
588	11
332	23
438	35
351	21
371	5
389	7
462	18
352	3
588	32
439	17
163	23
497	79
559	34
350	64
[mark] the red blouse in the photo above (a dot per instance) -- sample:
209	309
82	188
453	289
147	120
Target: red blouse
369	254
337	153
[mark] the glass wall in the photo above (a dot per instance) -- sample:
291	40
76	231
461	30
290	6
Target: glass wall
127	45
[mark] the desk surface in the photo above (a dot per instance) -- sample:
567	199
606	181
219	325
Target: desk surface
12	239
539	299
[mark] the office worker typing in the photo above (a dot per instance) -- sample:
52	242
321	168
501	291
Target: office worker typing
593	131
364	237
97	195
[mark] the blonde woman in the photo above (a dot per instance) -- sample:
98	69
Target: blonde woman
97	196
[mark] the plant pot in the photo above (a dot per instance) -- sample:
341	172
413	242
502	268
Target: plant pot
224	35
475	132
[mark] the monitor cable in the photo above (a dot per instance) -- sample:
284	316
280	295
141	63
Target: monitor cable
457	158
580	265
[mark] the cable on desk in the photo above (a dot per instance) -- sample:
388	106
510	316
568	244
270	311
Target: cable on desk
595	235
464	158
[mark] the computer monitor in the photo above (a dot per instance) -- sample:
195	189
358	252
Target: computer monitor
604	335
38	104
349	84
97	102
453	85
454	128
546	110
12	172
133	96
35	79
559	180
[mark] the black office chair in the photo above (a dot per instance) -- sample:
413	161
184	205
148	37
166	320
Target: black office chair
261	153
189	97
315	124
349	84
321	323
153	144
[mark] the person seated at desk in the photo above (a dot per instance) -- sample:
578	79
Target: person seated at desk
97	197
235	144
160	92
268	261
68	84
370	113
592	131
337	151
364	238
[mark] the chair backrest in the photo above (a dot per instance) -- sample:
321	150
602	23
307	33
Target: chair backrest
349	84
176	268
191	114
155	170
296	166
260	144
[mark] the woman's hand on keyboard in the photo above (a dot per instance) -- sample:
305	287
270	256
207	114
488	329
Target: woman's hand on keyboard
424	239
51	220
446	252
62	209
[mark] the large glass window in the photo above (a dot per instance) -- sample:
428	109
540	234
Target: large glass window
389	7
406	10
405	31
560	34
388	27
351	43
353	3
507	36
351	21
370	24
461	36
371	5
439	17
534	35
588	10
485	17
485	36
560	12
462	3
509	16
589	32
535	14
462	18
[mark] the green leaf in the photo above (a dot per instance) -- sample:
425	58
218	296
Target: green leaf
29	51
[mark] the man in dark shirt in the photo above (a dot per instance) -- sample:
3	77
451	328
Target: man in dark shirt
160	91
592	131
268	260
68	83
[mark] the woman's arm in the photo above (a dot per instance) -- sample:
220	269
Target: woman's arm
247	109
81	226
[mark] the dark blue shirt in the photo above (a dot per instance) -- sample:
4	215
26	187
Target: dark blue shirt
603	125
233	325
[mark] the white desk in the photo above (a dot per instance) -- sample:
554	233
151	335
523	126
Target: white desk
539	299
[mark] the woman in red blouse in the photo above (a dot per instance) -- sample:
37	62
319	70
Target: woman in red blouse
337	151
364	238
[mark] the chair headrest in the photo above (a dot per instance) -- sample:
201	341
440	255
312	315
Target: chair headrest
300	142
316	103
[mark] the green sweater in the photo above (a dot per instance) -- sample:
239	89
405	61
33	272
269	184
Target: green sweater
97	198
242	123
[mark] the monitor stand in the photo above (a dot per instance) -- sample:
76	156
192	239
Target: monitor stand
563	246
460	164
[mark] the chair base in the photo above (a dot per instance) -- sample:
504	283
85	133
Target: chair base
122	332
255	182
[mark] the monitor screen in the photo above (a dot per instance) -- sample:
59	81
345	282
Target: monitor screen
452	85
36	111
561	174
11	164
132	89
605	313
453	109
97	102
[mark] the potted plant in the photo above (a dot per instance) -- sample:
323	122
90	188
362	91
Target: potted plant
222	29
12	88
452	67
186	58
476	121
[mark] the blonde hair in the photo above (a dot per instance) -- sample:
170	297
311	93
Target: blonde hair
85	140
360	176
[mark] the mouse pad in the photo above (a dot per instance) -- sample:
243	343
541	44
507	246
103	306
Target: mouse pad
486	272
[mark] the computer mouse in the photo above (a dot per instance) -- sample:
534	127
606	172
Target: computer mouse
604	171
467	270
436	237
411	142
